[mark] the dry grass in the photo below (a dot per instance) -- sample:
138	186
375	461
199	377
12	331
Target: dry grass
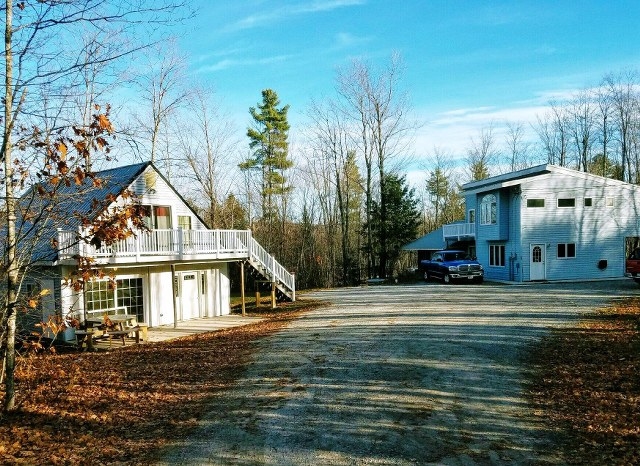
121	407
586	386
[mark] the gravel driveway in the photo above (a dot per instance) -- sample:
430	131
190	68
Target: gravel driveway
396	375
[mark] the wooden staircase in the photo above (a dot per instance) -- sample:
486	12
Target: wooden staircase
268	268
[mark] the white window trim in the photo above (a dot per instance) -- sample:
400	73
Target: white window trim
491	248
566	206
536	206
486	217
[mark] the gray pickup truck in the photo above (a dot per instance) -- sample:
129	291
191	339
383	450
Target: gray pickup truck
451	265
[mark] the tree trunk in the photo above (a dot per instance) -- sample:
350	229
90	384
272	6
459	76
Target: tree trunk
12	265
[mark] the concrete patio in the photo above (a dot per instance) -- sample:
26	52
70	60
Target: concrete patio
183	329
194	326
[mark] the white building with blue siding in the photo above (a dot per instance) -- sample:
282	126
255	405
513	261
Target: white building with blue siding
549	223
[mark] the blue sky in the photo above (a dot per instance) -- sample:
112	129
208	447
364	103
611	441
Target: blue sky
467	63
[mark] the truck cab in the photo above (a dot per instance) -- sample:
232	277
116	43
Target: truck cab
449	265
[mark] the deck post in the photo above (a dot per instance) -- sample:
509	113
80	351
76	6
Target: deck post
174	286
273	295
242	287
293	286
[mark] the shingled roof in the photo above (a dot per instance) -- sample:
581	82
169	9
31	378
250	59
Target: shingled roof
70	204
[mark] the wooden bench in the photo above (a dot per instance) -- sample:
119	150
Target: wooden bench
82	337
118	334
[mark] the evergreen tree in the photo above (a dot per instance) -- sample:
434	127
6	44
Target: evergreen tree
268	141
398	222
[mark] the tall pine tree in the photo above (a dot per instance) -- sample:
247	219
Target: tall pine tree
268	141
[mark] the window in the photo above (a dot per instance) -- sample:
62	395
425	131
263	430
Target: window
567	202
184	222
588	202
472	216
535	202
566	250
489	210
609	202
496	255
102	296
157	217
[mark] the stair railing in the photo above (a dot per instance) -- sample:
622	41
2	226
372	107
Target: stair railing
271	267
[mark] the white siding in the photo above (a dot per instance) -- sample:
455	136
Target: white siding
158	192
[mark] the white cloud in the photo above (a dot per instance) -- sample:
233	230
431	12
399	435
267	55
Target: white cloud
234	63
280	13
452	130
346	40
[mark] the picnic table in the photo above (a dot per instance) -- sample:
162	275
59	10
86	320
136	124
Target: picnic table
112	326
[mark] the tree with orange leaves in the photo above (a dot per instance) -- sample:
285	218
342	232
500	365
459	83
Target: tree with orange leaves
42	151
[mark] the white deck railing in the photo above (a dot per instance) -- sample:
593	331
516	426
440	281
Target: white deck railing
158	243
459	230
170	245
269	263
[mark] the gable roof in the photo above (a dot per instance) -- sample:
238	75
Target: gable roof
70	204
527	174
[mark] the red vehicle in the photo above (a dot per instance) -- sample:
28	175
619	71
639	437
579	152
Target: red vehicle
633	265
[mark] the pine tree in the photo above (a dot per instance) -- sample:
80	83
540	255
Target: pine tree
268	141
398	222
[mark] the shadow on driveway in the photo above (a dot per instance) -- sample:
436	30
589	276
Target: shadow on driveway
396	375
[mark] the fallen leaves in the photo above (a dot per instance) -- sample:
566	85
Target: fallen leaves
586	386
123	406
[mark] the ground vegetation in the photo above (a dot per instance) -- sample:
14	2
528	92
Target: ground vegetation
586	386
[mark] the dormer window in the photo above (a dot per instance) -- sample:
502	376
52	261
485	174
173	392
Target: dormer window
489	210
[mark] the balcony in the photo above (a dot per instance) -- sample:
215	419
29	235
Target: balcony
459	231
161	246
181	245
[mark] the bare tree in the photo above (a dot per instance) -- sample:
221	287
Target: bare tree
377	107
208	146
164	93
604	124
35	65
517	146
333	143
623	98
481	154
583	112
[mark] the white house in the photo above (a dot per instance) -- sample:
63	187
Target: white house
179	270
548	223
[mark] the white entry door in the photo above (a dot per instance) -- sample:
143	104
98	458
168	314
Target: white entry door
190	295
538	269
